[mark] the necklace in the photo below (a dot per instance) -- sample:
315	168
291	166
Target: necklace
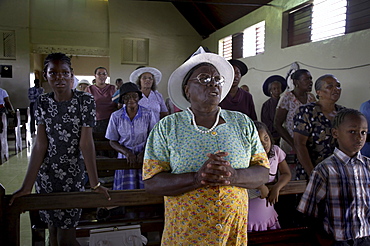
209	130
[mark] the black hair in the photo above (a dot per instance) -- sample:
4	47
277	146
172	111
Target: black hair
57	57
342	114
297	74
138	83
190	73
96	69
262	126
119	79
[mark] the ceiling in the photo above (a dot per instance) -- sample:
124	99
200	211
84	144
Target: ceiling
208	16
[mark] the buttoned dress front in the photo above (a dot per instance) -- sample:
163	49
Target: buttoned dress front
131	134
208	215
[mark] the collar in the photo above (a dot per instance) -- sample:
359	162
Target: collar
345	159
125	115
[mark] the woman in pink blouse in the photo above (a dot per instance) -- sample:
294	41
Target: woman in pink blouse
102	93
288	105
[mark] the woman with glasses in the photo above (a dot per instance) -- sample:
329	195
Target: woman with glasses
147	79
127	131
204	159
102	93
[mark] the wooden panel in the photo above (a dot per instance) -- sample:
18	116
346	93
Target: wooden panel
237	41
358	15
299	25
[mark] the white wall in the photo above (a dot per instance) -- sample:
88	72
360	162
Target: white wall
72	27
171	37
341	52
69	23
14	15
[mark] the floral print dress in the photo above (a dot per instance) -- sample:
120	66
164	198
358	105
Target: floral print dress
63	167
207	215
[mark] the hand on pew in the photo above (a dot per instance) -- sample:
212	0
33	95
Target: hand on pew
101	189
19	193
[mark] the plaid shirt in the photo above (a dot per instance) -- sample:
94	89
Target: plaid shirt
338	193
34	93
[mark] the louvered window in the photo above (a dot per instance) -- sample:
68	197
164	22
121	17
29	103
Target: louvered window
323	19
254	40
135	51
250	42
7	44
299	25
328	19
225	48
358	15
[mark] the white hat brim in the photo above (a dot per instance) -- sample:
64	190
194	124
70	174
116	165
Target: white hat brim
136	73
176	79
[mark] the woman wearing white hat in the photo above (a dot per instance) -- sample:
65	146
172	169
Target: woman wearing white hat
204	159
147	79
82	85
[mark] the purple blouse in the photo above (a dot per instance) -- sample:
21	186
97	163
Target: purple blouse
131	134
242	102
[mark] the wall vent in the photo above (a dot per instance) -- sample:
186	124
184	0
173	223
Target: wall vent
7	45
135	51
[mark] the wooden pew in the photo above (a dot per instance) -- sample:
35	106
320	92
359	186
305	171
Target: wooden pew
64	200
10	216
102	146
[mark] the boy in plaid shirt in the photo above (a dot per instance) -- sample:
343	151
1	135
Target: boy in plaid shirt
338	193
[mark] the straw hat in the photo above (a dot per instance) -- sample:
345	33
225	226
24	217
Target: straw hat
176	79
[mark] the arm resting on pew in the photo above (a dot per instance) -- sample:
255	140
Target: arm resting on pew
293	187
88	151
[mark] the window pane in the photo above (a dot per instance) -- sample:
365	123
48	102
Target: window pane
225	47
328	19
299	25
254	40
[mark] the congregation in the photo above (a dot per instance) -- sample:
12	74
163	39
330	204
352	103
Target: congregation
223	153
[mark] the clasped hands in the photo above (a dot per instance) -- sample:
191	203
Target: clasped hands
216	171
133	159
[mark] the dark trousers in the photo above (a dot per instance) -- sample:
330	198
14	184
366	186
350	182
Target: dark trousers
32	115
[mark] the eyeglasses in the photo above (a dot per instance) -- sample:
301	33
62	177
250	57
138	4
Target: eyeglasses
127	97
102	74
205	78
145	78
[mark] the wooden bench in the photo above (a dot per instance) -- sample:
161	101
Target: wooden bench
151	220
10	216
10	219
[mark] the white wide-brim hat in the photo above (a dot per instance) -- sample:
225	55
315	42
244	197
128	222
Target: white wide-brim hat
175	81
83	81
136	73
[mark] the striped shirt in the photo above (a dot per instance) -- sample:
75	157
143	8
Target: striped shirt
338	193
